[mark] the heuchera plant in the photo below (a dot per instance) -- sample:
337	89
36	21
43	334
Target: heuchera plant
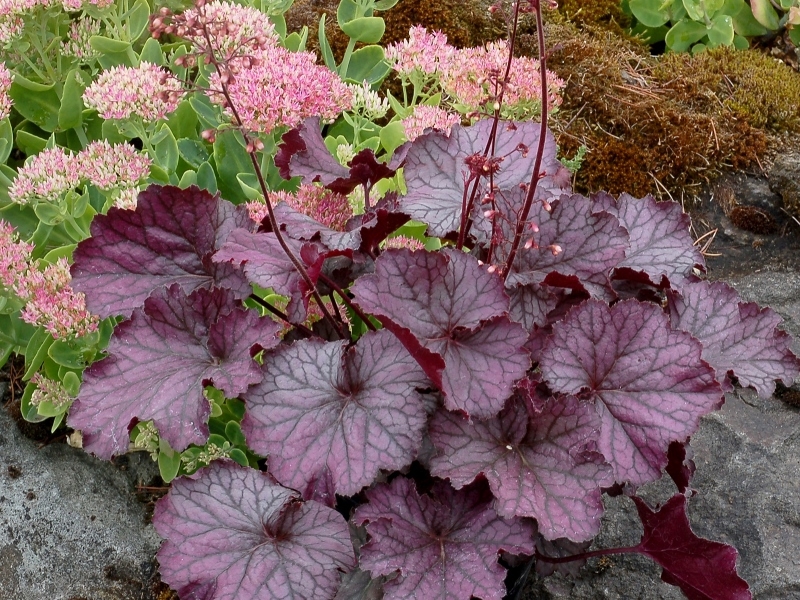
393	420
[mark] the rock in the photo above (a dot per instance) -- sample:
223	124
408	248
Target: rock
784	179
70	525
748	490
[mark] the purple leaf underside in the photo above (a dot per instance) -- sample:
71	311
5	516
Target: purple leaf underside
541	465
660	242
435	171
648	381
591	245
737	337
444	545
233	534
702	569
168	239
446	305
266	264
324	411
159	362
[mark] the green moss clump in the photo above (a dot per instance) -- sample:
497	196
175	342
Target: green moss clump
601	14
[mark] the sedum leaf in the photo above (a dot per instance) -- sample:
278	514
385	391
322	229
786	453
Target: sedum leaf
160	360
647	381
702	569
738	338
539	463
168	239
324	410
445	545
450	314
233	534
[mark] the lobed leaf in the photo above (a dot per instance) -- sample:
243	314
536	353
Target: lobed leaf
168	239
702	569
444	545
738	338
160	360
435	169
648	382
323	410
450	313
233	534
539	463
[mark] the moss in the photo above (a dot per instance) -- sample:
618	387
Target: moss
602	14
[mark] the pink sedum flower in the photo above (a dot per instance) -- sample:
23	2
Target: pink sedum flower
113	166
428	117
234	30
51	302
15	255
49	390
324	206
422	51
467	80
45	176
146	91
401	241
283	90
5	86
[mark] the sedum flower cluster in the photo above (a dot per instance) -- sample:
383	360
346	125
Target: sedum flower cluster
50	301
428	117
367	103
471	78
49	390
326	207
147	91
12	13
53	172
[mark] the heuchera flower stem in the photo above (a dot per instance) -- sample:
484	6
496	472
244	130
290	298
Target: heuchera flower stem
467	204
338	327
343	295
534	183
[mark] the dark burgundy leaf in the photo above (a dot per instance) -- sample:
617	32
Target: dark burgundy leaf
324	408
266	264
702	569
445	305
160	360
648	381
738	338
233	534
680	466
444	545
168	239
572	241
303	154
661	245
435	171
540	465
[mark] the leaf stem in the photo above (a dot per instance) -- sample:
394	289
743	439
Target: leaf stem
343	295
537	164
280	314
586	555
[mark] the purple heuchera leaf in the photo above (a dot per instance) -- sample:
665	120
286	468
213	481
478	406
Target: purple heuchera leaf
648	381
233	534
702	569
445	545
266	264
160	360
540	465
324	408
591	245
661	245
168	239
738	338
680	466
445	306
303	153
435	171
530	304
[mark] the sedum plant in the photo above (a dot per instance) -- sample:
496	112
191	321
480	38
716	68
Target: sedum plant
384	371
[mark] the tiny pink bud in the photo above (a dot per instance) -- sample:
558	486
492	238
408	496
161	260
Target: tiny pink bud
492	268
556	249
529	244
209	135
489	214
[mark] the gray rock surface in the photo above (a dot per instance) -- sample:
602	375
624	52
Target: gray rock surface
70	525
784	179
748	484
